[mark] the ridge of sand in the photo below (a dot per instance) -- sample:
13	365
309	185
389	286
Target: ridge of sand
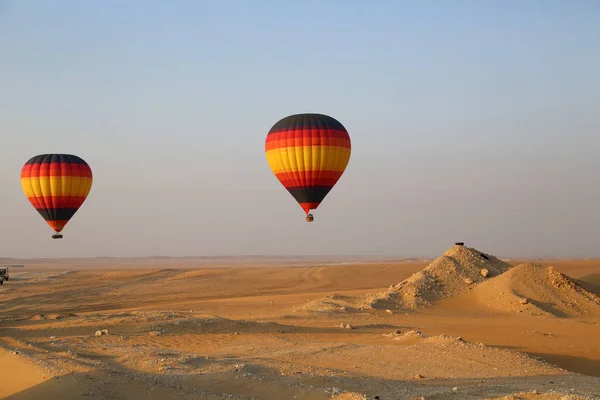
18	373
536	289
452	273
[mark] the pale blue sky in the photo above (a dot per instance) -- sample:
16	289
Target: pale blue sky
470	120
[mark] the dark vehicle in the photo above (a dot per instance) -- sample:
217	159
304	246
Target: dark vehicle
3	275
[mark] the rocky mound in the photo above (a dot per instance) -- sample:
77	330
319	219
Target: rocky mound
452	273
458	269
539	290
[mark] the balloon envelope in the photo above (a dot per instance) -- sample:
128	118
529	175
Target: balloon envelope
56	185
308	154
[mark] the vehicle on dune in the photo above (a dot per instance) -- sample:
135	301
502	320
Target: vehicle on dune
3	275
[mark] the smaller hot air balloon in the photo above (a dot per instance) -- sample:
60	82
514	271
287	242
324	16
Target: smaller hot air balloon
56	185
308	153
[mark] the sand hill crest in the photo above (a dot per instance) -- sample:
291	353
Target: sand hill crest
464	272
536	289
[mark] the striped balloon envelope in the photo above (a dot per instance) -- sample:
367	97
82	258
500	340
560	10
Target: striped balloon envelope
56	185
308	153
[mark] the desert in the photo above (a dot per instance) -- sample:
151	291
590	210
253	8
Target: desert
299	200
467	325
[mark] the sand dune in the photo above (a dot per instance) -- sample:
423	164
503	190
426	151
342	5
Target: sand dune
228	333
452	273
476	277
536	289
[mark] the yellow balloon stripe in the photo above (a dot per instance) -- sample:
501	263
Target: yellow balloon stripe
56	186
308	158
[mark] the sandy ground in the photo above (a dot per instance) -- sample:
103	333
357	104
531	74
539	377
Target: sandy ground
304	331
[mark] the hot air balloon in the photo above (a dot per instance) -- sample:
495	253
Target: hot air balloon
56	185
308	154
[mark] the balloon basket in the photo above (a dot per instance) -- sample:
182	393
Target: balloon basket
310	218
57	236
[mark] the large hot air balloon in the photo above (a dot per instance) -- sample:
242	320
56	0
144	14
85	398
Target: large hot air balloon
308	154
56	185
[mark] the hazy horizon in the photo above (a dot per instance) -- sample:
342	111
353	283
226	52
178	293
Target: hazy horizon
297	257
469	121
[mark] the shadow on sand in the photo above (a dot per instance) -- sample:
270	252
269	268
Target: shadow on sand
579	365
267	384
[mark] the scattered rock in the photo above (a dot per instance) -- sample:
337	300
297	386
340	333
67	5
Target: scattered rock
484	272
468	281
105	331
523	301
419	376
238	367
98	333
155	333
